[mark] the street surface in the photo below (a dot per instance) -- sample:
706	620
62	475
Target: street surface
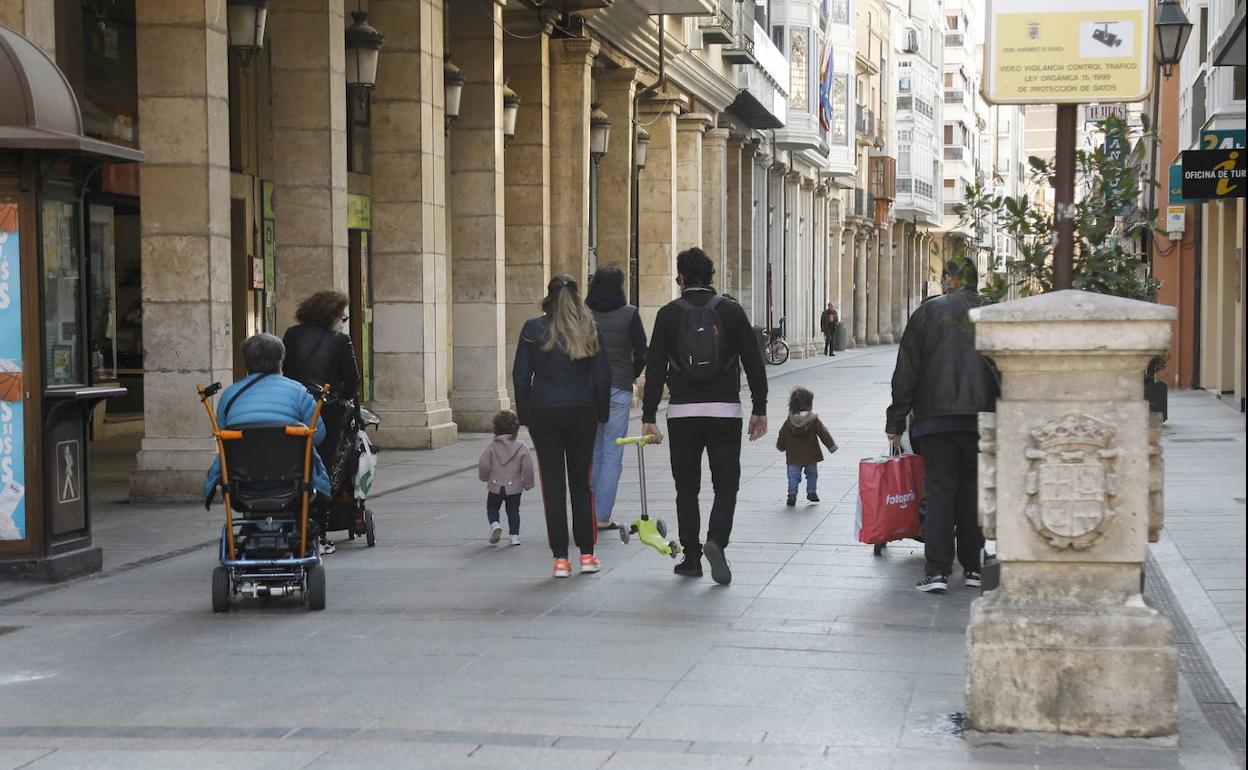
438	650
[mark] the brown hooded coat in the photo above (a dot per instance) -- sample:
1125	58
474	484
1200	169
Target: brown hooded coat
799	439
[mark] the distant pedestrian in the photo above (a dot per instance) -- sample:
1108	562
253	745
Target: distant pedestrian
828	321
507	470
562	382
943	383
624	336
799	440
700	344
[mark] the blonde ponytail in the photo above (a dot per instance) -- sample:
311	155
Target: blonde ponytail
572	325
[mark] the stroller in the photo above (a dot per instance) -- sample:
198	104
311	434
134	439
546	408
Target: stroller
270	549
351	466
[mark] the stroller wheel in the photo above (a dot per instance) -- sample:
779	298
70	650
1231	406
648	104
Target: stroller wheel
220	589
661	526
369	532
314	588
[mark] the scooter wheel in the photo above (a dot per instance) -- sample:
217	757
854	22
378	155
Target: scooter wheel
661	526
674	548
625	533
220	589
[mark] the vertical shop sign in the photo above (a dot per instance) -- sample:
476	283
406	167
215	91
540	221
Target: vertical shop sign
12	387
268	235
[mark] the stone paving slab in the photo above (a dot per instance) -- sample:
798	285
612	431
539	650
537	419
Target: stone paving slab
438	650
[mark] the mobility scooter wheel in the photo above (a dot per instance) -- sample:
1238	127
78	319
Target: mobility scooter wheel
220	589
369	533
314	587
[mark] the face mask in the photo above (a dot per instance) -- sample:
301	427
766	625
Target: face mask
341	327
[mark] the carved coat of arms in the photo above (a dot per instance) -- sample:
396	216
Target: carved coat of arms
1071	481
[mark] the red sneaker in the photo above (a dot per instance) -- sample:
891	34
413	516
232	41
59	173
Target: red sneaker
590	563
563	568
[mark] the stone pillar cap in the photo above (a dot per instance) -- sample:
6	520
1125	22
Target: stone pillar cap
1073	320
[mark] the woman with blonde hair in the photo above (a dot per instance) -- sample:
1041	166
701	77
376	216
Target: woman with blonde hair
562	380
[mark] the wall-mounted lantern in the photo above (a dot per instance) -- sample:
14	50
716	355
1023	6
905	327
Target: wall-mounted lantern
363	47
245	21
599	132
453	82
640	145
511	106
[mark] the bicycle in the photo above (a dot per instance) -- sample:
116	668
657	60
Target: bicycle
771	342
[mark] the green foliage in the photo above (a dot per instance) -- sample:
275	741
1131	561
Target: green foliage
1109	225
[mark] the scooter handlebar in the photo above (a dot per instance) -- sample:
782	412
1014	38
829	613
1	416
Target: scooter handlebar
642	440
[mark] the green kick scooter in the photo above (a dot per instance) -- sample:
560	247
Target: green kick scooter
652	532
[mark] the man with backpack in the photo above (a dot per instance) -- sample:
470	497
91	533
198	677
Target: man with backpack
701	342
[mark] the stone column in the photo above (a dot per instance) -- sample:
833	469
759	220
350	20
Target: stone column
185	240
715	203
411	308
735	213
835	238
751	225
884	285
1067	643
901	260
849	259
526	63
689	130
478	240
36	19
873	286
615	171
570	94
656	208
309	119
862	245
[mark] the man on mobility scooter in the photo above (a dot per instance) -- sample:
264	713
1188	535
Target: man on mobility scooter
270	475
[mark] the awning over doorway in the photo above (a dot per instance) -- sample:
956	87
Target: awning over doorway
38	109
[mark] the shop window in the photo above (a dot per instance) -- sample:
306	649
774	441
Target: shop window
359	134
102	258
60	229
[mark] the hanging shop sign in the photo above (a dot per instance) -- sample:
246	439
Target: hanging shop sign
12	385
1175	186
1068	51
359	212
1222	140
1095	113
1215	174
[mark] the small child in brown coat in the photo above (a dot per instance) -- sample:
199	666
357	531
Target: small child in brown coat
507	469
799	440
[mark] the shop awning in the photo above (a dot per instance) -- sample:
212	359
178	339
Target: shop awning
38	109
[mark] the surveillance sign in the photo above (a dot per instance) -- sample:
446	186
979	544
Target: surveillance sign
1068	51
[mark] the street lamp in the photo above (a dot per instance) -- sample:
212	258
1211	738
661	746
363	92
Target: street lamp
640	145
599	132
245	20
363	46
1172	29
453	82
511	105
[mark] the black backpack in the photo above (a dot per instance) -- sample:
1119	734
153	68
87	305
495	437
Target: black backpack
700	346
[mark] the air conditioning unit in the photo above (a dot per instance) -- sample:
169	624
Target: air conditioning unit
910	41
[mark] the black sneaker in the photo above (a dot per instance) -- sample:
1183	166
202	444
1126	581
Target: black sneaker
791	501
812	497
690	567
973	579
933	584
720	572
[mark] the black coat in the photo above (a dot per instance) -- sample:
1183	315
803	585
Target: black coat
939	372
315	356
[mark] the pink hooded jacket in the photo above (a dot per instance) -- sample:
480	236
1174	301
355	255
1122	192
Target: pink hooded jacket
506	466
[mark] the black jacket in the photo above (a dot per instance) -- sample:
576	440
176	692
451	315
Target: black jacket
549	378
939	373
315	356
743	352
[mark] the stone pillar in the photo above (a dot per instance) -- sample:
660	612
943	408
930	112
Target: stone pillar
615	171
862	245
656	208
411	308
479	368
901	261
715	203
689	130
873	286
884	285
571	91
735	213
309	119
849	258
1068	643
36	19
751	225
526	64
835	238
185	240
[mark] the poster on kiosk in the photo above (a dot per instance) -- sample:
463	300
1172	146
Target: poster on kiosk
12	439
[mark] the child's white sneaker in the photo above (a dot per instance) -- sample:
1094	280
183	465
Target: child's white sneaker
496	532
515	540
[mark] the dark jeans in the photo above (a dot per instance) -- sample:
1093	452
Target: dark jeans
720	437
829	342
563	438
951	484
495	501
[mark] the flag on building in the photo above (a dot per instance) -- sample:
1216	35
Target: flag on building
825	85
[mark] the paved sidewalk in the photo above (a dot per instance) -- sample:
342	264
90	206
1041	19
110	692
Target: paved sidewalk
438	650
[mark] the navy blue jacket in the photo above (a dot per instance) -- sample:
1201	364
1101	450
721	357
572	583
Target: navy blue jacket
549	378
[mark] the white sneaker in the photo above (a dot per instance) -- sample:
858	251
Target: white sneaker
496	533
515	539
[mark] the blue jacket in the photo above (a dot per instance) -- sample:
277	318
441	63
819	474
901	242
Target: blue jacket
273	400
550	378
